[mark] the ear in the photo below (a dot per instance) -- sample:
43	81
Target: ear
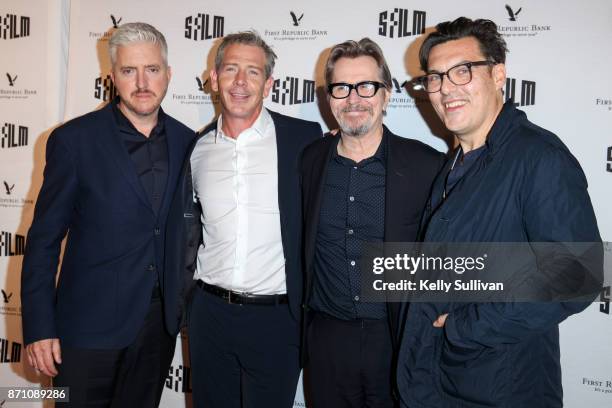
213	81
169	72
499	76
267	86
387	98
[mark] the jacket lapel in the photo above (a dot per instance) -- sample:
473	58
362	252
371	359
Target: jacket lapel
111	141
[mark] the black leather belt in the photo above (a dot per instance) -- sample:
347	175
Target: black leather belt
242	298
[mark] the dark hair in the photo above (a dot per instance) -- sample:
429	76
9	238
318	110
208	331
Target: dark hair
246	38
492	44
353	49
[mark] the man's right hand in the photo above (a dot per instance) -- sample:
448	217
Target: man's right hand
43	354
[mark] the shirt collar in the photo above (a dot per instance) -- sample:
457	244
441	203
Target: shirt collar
260	126
380	155
124	124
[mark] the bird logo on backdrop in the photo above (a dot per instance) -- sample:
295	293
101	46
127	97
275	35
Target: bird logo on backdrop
11	80
511	13
296	20
8	189
115	21
201	84
7	297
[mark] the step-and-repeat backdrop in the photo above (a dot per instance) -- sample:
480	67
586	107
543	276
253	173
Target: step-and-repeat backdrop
54	66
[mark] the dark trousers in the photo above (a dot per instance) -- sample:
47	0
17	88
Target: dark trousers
349	363
129	377
242	356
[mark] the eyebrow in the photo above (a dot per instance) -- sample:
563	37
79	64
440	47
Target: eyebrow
433	71
235	64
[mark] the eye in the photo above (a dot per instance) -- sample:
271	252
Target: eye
461	70
229	68
253	72
366	86
153	70
432	78
127	71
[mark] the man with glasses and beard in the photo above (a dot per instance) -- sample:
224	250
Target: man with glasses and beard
364	185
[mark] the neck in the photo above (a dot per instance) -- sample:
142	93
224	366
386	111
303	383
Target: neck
361	147
233	126
143	123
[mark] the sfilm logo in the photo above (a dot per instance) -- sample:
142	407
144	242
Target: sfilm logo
293	91
12	27
396	23
12	135
104	88
514	30
204	27
11	244
10	351
609	164
179	379
604	298
528	92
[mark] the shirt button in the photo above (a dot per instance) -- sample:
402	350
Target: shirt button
352	263
350	232
355	167
351	198
157	231
151	267
356	298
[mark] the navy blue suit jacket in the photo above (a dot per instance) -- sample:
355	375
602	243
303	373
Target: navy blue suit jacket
292	135
115	244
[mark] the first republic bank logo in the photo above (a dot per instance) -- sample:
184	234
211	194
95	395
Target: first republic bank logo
294	29
516	30
105	36
396	23
13	26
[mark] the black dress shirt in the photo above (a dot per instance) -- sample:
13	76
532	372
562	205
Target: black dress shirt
149	154
352	213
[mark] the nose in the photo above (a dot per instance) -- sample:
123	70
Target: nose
353	97
447	86
141	79
240	77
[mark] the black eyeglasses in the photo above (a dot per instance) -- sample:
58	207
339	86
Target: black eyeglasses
365	89
460	74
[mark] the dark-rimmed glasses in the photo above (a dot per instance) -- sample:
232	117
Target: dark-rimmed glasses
365	89
460	74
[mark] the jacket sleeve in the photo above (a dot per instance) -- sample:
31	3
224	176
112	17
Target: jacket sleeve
556	208
52	214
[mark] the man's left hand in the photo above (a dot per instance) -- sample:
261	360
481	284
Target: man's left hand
440	320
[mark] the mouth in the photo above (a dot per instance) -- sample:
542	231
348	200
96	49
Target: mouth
239	95
454	105
143	94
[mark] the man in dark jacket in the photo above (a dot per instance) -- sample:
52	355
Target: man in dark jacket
365	185
108	329
509	181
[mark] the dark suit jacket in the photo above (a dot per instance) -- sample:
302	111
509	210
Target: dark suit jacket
292	135
115	244
411	169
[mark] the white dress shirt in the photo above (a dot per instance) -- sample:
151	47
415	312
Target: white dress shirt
236	183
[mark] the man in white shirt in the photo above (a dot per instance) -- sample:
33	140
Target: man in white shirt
242	184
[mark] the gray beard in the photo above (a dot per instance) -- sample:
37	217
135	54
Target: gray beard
355	131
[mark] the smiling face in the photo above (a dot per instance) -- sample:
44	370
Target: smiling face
358	116
241	82
141	78
469	110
